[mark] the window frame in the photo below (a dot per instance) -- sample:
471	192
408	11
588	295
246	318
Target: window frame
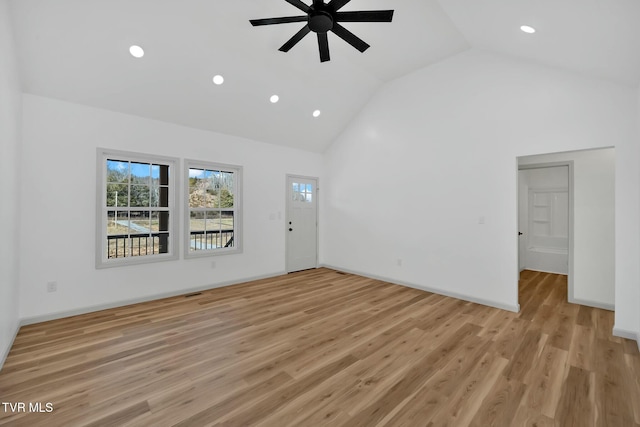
237	209
101	255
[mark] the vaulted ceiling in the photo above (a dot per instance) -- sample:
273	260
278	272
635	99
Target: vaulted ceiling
78	51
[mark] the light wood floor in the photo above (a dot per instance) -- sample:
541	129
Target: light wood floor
323	348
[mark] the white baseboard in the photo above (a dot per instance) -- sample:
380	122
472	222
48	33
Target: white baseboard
544	271
5	352
595	304
624	333
515	308
122	303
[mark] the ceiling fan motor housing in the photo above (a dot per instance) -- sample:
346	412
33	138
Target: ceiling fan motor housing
320	21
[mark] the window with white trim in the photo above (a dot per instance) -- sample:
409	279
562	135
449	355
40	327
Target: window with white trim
136	208
213	209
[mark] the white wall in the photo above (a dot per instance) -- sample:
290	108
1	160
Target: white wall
58	207
435	152
594	223
10	113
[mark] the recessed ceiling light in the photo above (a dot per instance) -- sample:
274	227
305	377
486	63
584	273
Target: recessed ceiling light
274	99
218	79
527	29
136	51
316	113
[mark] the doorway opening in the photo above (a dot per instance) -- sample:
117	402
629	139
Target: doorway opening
545	219
566	214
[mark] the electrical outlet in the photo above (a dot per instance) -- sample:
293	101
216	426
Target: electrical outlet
52	286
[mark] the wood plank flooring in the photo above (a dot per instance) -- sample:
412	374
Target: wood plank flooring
322	348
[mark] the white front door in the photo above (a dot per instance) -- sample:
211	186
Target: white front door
302	223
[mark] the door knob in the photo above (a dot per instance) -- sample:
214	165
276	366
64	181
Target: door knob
291	229
519	233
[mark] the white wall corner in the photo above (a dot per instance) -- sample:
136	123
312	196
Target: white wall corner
6	351
490	303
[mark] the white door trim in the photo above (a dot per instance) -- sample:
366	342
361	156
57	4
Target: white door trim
569	164
286	216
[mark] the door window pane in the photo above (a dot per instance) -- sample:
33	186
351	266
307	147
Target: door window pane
302	192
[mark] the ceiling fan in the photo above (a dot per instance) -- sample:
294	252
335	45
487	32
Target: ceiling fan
324	17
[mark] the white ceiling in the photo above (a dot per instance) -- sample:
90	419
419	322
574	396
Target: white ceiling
77	50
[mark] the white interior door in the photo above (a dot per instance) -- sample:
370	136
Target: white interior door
302	223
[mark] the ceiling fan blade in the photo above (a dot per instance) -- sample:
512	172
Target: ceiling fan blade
317	3
283	20
337	4
299	4
365	16
349	37
295	39
323	44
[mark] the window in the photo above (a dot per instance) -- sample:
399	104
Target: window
302	192
136	208
213	209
